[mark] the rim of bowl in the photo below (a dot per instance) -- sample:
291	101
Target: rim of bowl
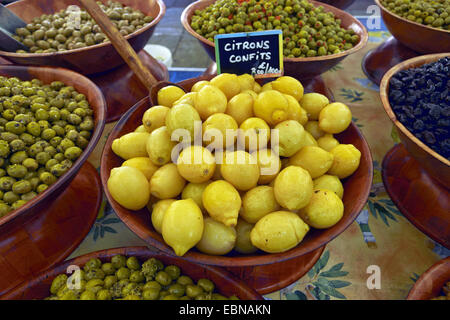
96	135
364	37
384	94
162	10
408	21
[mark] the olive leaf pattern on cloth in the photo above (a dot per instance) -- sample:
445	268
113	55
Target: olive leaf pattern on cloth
352	95
104	221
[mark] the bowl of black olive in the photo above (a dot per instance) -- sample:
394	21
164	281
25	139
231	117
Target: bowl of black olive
61	33
415	95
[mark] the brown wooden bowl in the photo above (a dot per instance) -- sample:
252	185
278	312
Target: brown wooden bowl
430	283
341	4
300	68
418	37
436	165
97	102
87	60
226	284
355	196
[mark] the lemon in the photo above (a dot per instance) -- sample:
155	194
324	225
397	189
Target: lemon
313	103
182	226
327	142
313	128
246	81
309	140
329	182
166	182
196	164
159	146
240	107
199	85
222	201
267	86
183	117
254	134
346	160
155	117
269	165
141	128
157	213
290	137
314	159
295	111
217	238
168	95
143	164
258	202
335	118
240	169
278	232
257	87
188	98
250	92
129	187
324	210
289	85
271	106
228	83
219	130
243	243
195	192
210	100
293	188
131	145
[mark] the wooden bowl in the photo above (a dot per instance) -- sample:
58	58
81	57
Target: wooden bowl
355	196
436	165
341	4
97	102
226	284
300	68
87	60
430	283
416	36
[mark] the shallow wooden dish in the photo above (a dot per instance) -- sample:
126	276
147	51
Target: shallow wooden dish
430	283
357	190
437	166
88	60
300	68
341	4
418	37
97	102
226	284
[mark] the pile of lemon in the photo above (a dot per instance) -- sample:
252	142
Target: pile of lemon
243	194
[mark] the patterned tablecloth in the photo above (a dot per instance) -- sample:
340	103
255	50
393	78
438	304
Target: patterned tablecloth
380	239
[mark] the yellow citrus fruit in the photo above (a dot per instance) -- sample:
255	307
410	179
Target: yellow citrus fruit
290	137
293	188
252	93
195	192
240	169
220	158
240	107
219	131
313	103
228	83
271	106
327	142
314	159
346	160
166	182
267	86
269	165
329	182
246	81
159	146
278	232
143	164
188	98
183	117
222	201
199	85
141	128
210	100
254	134
129	187
258	202
295	111
182	226
157	213
289	85
313	128
335	118
155	117
243	243
309	140
168	95
324	210
196	164
257	87
217	238
131	145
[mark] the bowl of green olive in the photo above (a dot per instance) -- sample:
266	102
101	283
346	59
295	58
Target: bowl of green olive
316	36
132	273
421	25
50	121
61	33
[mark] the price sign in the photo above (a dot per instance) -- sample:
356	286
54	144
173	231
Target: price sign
257	53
